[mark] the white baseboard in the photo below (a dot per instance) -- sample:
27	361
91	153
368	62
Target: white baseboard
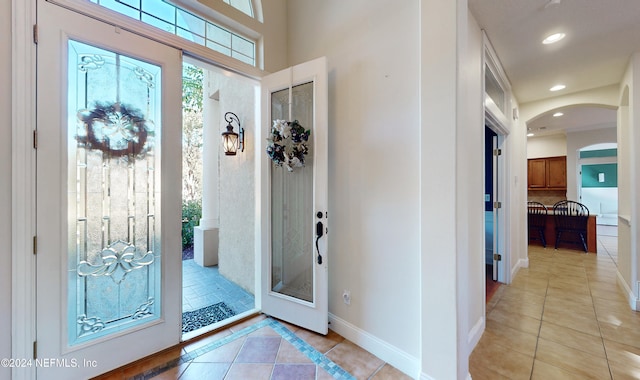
399	359
634	303
522	263
476	333
427	377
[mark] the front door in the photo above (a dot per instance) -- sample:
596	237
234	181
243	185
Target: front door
294	196
108	195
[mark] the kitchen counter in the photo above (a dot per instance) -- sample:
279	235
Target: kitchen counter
550	235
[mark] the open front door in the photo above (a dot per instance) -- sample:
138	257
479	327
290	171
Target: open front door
108	195
293	204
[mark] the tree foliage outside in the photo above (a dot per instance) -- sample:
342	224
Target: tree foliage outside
192	97
192	122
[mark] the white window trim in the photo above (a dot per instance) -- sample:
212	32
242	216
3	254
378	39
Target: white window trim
189	48
490	60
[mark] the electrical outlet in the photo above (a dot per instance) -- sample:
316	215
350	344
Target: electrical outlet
346	296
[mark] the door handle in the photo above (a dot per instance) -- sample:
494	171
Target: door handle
319	233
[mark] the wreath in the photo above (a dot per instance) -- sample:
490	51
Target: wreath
116	129
288	144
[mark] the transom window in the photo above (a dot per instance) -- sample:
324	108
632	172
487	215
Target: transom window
241	5
189	26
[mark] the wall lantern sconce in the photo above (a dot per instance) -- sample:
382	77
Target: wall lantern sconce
231	141
600	177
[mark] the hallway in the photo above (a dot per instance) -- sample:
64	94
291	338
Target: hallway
564	317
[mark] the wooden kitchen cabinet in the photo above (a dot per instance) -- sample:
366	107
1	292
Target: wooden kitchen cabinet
547	173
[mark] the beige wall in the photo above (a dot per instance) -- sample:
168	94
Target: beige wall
5	184
372	52
383	247
547	146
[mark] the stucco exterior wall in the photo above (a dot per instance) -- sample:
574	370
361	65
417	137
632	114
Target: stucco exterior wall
237	185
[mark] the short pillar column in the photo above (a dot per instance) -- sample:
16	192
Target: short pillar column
205	236
205	246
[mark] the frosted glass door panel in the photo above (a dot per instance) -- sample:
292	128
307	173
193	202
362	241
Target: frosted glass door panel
113	192
292	213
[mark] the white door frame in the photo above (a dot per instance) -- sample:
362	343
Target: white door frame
23	69
23	185
500	222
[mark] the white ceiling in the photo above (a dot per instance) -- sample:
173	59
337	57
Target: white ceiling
600	37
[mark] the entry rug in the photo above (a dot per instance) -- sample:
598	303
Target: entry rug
193	320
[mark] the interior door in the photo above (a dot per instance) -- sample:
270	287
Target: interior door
108	195
496	220
294	257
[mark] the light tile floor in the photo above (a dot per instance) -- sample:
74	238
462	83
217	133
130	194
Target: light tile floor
564	317
262	348
204	286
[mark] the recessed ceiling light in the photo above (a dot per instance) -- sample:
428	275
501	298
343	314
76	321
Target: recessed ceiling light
529	134
558	114
553	38
558	87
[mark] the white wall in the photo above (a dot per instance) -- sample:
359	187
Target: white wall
5	185
470	200
629	181
517	184
547	146
379	208
577	141
373	63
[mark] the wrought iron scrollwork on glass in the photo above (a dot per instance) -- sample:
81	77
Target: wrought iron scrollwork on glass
116	261
144	309
89	324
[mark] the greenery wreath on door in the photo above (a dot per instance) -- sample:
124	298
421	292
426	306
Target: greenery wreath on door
117	129
287	144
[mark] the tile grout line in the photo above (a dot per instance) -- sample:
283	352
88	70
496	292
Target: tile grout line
535	351
314	355
595	312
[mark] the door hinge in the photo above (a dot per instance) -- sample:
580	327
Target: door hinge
35	349
35	245
35	139
497	204
497	257
35	34
497	152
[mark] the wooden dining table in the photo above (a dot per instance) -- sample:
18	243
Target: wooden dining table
550	235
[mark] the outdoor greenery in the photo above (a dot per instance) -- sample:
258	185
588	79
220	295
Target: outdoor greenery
192	97
191	214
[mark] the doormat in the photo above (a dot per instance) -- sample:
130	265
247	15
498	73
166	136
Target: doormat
193	320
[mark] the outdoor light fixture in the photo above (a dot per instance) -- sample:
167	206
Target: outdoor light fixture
232	141
600	177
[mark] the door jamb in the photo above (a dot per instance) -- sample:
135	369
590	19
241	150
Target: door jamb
23	166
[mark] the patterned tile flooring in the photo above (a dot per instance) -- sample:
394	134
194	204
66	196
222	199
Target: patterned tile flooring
261	348
564	317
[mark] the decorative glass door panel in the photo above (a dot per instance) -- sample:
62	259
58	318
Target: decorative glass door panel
292	204
113	172
108	261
